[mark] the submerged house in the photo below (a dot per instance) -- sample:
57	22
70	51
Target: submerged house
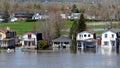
7	37
29	39
109	38
60	42
86	39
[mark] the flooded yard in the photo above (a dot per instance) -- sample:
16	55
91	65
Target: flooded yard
61	58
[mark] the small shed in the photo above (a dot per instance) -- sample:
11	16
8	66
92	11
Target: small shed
60	42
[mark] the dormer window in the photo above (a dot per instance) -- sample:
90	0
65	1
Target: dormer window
29	36
112	35
89	35
85	35
105	35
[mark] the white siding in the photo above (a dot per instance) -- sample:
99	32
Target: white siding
108	37
84	35
25	37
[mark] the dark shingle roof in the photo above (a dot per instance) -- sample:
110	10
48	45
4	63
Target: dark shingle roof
62	39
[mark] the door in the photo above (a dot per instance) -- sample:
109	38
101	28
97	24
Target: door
29	43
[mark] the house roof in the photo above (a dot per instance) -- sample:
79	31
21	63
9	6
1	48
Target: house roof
34	32
112	30
62	39
89	31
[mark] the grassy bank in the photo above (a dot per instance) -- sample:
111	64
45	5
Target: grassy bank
20	26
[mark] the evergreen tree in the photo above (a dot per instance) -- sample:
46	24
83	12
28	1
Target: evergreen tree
74	9
78	26
81	24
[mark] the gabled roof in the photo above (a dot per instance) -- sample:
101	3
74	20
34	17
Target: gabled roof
112	30
62	39
33	32
89	31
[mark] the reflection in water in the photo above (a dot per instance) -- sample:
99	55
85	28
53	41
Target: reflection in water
108	51
60	58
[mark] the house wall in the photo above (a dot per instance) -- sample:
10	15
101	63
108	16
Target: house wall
84	36
25	37
108	39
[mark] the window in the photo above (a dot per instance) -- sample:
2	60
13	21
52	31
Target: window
80	35
66	42
29	36
105	43
33	42
89	35
25	42
56	42
85	35
112	35
105	35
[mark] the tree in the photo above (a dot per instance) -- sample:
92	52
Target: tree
81	24
78	26
42	44
74	9
52	27
73	30
6	15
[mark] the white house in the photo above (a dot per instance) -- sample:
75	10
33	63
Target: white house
13	18
86	39
29	39
63	16
108	39
37	16
75	15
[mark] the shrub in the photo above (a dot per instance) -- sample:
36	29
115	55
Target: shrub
30	20
42	44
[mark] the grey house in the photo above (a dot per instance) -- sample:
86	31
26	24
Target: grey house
60	42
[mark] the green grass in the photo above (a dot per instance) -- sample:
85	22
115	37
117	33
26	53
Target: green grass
20	26
96	26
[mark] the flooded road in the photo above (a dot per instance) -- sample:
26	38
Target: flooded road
61	58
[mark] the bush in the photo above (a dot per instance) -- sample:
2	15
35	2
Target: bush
42	44
30	20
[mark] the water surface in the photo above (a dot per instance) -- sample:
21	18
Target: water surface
61	58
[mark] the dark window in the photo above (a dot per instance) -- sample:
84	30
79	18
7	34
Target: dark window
25	42
89	35
112	35
105	43
80	35
85	35
66	42
105	35
29	36
56	42
33	42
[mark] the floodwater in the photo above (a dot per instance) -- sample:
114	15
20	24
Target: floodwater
61	58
